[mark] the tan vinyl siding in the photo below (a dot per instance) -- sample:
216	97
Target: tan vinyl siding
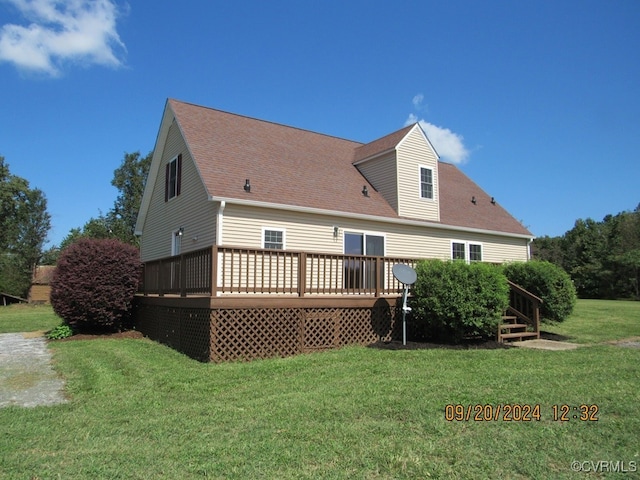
415	151
381	173
190	210
243	226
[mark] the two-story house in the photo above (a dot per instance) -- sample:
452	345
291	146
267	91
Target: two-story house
291	218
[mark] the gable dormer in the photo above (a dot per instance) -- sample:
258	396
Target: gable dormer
403	168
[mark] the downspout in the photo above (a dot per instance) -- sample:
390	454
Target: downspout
529	249
219	218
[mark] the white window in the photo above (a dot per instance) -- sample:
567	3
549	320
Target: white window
273	238
467	251
475	252
458	251
426	183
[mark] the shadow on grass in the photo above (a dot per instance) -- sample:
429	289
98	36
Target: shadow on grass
466	345
554	336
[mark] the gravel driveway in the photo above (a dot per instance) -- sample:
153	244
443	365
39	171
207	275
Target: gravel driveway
26	376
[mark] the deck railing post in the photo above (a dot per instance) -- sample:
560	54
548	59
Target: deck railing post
302	274
160	278
213	287
378	274
183	276
536	316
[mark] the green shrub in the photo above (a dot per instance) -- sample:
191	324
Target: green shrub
454	300
60	332
94	284
547	281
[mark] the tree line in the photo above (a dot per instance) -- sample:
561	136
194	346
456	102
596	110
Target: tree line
602	258
25	222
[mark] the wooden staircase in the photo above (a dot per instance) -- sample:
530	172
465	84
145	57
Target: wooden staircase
511	330
521	321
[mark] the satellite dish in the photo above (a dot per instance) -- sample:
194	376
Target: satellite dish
404	274
407	275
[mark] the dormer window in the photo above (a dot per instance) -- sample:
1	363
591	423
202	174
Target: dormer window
426	183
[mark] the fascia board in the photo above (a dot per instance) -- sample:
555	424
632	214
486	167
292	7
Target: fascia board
356	216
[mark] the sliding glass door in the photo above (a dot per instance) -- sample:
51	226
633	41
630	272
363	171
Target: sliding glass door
358	272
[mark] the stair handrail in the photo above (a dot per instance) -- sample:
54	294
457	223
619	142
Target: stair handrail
533	301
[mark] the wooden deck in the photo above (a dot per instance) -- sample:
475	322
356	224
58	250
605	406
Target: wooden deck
230	303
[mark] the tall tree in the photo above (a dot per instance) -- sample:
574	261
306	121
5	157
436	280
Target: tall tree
130	179
24	225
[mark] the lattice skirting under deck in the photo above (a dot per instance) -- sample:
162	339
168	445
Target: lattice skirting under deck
220	335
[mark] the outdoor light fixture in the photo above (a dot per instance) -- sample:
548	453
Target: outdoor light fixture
180	231
365	191
335	231
473	200
493	201
247	186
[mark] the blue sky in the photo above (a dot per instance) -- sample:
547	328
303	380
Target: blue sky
537	101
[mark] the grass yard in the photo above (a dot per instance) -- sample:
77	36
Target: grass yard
143	411
595	321
27	318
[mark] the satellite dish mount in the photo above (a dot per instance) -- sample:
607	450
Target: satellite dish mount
407	276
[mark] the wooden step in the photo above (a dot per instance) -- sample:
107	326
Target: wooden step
510	326
519	335
509	317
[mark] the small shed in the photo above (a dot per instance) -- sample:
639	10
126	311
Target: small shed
41	284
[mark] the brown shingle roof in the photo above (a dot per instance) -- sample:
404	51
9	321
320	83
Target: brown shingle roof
384	144
292	166
285	165
456	208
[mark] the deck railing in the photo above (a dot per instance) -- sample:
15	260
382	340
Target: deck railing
226	270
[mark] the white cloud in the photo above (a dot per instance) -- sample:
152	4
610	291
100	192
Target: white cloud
83	31
449	145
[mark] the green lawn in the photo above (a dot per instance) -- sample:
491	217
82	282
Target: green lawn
27	318
596	321
141	410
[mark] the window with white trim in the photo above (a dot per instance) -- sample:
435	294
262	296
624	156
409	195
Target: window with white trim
457	251
467	251
475	252
273	239
426	183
